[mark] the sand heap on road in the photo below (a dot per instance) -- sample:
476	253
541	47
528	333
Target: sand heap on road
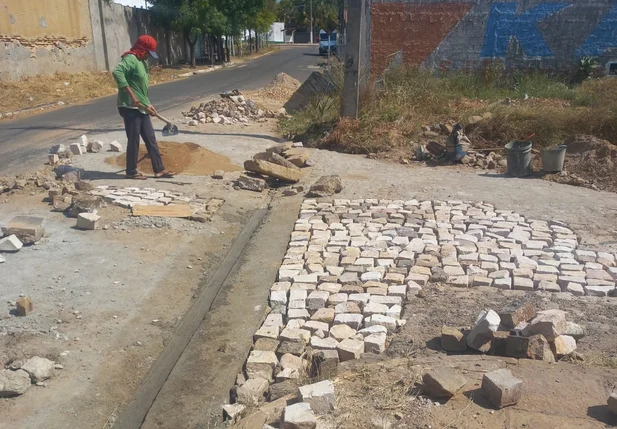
279	91
185	158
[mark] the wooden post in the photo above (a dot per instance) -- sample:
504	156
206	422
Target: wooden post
354	48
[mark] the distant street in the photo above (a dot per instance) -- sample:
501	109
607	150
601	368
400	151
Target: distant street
25	141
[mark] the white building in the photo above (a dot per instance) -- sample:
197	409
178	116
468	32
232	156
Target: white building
277	33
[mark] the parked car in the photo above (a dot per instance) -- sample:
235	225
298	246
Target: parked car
327	43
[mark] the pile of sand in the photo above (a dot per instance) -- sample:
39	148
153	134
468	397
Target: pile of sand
185	158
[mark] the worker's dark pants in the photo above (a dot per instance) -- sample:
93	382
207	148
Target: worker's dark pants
138	124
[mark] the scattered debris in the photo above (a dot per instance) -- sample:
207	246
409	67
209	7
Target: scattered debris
24	306
326	186
87	221
10	244
40	369
28	229
114	146
13	383
230	108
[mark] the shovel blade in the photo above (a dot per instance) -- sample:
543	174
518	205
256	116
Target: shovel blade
170	130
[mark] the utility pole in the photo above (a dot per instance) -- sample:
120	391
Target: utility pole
353	63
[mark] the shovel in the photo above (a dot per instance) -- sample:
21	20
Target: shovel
169	129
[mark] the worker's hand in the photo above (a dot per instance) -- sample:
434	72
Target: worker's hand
135	102
151	110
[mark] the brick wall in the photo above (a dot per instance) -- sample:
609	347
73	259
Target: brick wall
468	35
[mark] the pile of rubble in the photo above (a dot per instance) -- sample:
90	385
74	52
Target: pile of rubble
281	164
81	147
519	332
17	377
230	108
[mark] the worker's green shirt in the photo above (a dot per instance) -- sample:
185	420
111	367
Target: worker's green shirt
133	73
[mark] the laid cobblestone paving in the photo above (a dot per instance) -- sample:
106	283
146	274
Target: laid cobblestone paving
350	265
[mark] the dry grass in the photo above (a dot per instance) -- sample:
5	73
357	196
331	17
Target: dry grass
70	88
392	115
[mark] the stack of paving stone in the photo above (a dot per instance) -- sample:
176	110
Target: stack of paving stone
351	263
130	196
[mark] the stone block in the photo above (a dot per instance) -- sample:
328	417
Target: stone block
501	388
267	332
87	221
549	323
233	412
114	146
298	416
458	281
251	183
563	346
24	306
325	315
301	335
499	343
612	403
481	335
575	289
286	174
77	149
28	229
267	345
350	348
353	320
452	339
342	332
540	349
443	382
517	345
522	283
95	146
502	283
347	307
317	299
374	308
327	343
252	392
377	319
515	313
375	343
319	395
574	330
314	326
261	364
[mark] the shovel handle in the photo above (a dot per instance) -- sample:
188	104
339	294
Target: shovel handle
163	119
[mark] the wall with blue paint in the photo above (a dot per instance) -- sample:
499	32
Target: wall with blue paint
527	33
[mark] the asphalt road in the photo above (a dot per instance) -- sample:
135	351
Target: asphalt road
25	141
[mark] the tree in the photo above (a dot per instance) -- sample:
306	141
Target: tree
297	14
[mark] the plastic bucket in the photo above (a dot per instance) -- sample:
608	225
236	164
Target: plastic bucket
518	154
553	159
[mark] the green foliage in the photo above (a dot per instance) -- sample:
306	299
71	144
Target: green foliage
297	14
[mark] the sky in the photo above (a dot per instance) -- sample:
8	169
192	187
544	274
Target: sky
138	3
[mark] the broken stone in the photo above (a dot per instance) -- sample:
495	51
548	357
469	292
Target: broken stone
28	229
233	412
77	149
282	388
275	158
273	170
10	244
114	146
502	388
39	368
298	416
85	204
326	186
549	323
452	339
24	306
251	183
325	315
87	221
252	392
563	346
294	347
95	146
13	383
574	330
342	332
443	382
540	349
320	396
481	335
261	364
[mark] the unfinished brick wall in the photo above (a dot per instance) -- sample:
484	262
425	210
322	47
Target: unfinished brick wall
467	35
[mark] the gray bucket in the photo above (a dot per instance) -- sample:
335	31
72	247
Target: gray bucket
553	159
518	154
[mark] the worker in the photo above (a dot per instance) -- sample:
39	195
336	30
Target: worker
131	76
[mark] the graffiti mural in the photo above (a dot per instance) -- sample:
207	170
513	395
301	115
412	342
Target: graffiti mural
464	35
504	24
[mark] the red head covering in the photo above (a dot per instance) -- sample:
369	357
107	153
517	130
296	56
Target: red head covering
142	46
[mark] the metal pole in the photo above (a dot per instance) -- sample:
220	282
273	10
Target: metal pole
353	58
311	22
